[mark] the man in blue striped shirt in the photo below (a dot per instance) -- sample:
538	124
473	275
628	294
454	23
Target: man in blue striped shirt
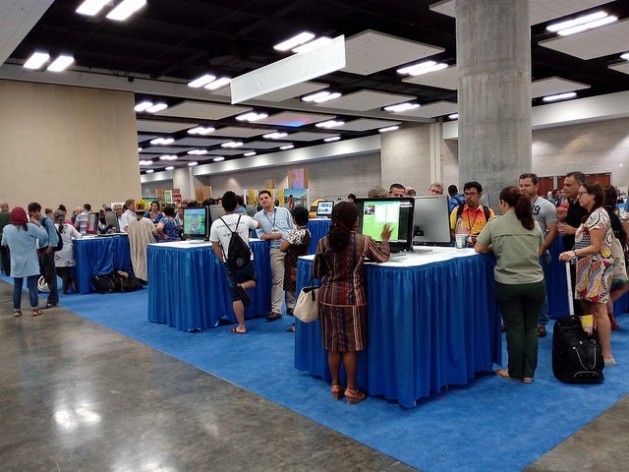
46	251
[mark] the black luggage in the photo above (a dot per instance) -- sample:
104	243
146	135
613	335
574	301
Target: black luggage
577	357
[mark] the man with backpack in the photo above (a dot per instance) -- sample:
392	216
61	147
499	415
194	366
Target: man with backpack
229	235
474	215
47	250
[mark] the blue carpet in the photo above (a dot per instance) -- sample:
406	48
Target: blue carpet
492	424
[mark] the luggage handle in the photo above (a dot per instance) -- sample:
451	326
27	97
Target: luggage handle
570	294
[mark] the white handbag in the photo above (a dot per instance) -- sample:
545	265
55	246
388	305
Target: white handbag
307	305
42	286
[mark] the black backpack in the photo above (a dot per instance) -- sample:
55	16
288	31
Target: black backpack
577	357
105	283
59	245
461	207
126	283
239	253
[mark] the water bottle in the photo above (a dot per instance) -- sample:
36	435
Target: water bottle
460	234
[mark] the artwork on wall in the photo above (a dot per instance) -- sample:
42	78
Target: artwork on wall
298	178
294	197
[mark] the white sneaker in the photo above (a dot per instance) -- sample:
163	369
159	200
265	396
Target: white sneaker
610	361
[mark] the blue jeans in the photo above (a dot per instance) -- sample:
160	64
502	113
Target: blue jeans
31	283
544	260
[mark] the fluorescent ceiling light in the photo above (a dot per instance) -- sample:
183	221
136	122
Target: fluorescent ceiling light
250	153
149	171
157	107
251	116
193	163
332	139
36	60
168	157
162	141
139	149
400	107
145	163
388	128
454	116
125	9
295	41
170	168
277	135
555	27
197	152
287	147
593	24
143	106
232	144
422	68
625	56
559	96
61	63
218	83
201	130
330	124
313	44
91	7
201	81
218	159
321	97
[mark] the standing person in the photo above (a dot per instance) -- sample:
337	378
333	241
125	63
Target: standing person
396	191
5	258
276	223
619	287
474	215
80	222
46	252
167	229
570	215
128	215
435	189
516	240
545	213
241	275
296	244
456	198
64	259
21	237
592	250
154	214
141	233
342	298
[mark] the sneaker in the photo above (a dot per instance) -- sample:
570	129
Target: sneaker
274	316
541	331
36	312
244	296
17	313
610	361
51	305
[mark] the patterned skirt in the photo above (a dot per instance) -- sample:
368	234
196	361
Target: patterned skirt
344	328
594	278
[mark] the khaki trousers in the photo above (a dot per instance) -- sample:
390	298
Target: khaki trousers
277	292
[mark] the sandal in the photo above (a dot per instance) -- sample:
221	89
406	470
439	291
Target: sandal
337	391
235	331
17	313
354	396
37	312
291	329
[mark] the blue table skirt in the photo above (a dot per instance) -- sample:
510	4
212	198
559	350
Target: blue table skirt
98	256
318	229
188	287
429	327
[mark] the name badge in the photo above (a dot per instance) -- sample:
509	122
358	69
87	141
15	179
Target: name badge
276	229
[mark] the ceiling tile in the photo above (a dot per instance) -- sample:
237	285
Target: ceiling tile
203	110
370	51
161	126
366	100
431	110
265	144
165	150
305	136
17	18
610	39
145	137
241	132
292	91
622	67
553	85
365	124
294	119
225	152
202	142
444	79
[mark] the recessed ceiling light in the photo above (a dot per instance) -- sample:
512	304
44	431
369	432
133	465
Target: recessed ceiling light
232	144
330	124
581	23
400	107
168	157
559	96
454	116
197	152
625	56
170	168
252	116
139	149
193	163
422	68
143	106
201	81
276	135
149	171
295	41
157	107
249	154
287	147
162	141
91	7
61	63
320	41
36	60
218	83
388	128
218	159
201	130
145	163
125	9
332	139
321	97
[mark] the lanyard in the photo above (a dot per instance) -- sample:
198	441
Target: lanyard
471	224
269	219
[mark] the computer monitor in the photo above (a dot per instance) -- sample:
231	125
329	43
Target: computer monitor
111	221
91	226
216	211
196	223
431	225
374	213
324	209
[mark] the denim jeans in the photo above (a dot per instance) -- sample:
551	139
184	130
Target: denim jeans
31	283
544	260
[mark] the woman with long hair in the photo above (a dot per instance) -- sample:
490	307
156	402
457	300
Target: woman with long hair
64	259
619	287
154	214
342	298
21	238
592	249
516	238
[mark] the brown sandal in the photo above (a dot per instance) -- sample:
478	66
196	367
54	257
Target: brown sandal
337	391
354	396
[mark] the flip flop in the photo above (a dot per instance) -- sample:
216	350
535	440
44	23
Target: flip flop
235	331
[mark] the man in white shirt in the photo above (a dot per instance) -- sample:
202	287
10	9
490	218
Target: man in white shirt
128	215
241	276
81	219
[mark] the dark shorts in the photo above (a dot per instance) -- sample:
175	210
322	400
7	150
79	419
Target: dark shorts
240	275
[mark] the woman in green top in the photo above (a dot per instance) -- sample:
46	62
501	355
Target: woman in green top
515	238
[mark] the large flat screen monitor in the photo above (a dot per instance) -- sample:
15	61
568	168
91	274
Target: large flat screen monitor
216	211
374	213
324	209
196	223
431	224
91	227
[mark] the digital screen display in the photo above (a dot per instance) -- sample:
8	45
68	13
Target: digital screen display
324	208
377	214
195	221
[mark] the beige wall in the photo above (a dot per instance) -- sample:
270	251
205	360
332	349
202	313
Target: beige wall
66	145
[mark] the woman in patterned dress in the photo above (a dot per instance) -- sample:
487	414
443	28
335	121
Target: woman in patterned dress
342	299
592	248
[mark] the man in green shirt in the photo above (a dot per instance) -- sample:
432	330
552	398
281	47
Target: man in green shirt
5	259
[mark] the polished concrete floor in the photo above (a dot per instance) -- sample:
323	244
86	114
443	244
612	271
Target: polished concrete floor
75	396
